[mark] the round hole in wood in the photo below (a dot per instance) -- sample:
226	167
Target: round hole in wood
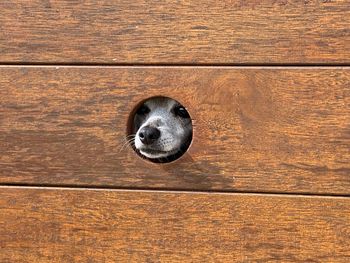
160	129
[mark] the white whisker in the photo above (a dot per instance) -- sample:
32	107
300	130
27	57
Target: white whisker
127	141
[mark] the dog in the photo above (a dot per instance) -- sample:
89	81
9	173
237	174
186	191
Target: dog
162	128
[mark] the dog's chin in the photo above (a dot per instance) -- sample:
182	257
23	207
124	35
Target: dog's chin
156	154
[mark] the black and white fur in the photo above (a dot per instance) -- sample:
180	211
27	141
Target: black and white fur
162	128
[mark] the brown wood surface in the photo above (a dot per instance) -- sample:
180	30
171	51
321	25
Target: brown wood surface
230	31
56	225
255	129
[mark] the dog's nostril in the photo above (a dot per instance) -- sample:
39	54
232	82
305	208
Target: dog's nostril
149	135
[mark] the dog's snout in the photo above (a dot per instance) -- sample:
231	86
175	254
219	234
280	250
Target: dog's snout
155	122
148	135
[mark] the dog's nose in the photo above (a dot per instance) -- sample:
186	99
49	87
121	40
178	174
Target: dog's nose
149	135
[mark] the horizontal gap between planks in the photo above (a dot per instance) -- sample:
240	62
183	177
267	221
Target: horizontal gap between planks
91	64
164	190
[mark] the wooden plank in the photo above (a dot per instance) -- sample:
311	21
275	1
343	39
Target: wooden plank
55	225
256	129
224	32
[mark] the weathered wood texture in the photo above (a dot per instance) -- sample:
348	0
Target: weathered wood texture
255	129
42	225
230	31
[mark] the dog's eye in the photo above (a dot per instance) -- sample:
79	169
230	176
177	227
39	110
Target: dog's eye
181	112
143	110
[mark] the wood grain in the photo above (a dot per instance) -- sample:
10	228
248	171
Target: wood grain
255	129
190	32
42	225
